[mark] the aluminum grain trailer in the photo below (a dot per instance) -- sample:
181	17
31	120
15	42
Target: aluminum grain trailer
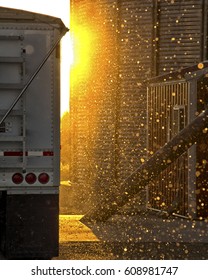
29	133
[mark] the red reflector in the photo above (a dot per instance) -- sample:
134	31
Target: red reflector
43	178
17	178
47	153
13	154
30	178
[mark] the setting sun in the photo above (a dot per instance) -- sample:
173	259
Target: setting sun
58	9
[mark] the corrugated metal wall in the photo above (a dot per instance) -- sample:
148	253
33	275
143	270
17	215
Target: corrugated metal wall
93	97
133	40
113	106
181	42
81	163
104	88
135	59
180	34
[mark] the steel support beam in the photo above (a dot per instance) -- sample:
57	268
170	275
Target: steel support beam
135	182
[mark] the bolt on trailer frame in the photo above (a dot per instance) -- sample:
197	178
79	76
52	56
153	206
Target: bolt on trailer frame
29	133
174	101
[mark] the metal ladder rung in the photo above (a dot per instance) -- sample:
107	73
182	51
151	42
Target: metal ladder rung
11	86
13	113
10	59
11	37
9	166
11	138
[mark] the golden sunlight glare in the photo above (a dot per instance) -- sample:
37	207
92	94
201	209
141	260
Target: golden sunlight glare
60	9
82	40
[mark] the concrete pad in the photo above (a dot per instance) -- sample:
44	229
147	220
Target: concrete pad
72	230
148	227
149	236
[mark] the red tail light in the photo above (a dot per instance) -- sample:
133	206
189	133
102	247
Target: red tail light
17	178
30	178
43	178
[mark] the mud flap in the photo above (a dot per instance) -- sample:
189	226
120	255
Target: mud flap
30	226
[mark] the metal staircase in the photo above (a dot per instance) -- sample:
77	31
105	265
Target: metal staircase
180	142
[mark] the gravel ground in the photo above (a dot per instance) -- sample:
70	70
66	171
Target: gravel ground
130	238
116	241
84	251
78	242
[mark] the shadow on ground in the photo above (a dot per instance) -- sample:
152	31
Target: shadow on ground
133	237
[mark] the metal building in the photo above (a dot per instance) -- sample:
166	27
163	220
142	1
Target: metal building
107	100
133	41
174	101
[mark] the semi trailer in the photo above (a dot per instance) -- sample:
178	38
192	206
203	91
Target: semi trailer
29	133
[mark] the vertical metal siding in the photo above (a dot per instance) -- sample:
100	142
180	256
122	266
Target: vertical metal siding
93	98
180	34
142	35
135	58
